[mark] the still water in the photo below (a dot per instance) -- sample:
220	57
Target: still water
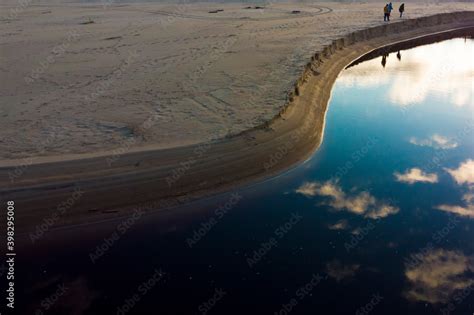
380	220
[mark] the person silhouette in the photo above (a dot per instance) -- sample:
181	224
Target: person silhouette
399	56
390	8
386	16
384	60
401	9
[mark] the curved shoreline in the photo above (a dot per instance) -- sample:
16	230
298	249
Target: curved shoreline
112	185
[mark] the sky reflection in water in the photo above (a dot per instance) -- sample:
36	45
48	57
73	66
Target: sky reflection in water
385	215
446	72
419	103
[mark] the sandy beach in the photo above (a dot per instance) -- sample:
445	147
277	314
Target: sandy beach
158	104
158	75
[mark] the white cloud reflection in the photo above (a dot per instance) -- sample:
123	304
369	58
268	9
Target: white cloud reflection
464	174
446	72
465	211
340	225
362	203
438	275
435	141
416	175
339	272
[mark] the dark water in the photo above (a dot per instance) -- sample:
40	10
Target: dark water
379	221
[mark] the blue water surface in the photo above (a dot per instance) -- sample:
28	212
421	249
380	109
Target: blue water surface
380	220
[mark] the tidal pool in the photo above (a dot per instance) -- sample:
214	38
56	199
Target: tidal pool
380	220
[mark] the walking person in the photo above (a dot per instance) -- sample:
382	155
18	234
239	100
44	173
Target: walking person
390	8
385	13
401	9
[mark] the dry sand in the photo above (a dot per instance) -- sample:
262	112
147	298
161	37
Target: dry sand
157	75
110	185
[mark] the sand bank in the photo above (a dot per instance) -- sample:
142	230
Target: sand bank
111	185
